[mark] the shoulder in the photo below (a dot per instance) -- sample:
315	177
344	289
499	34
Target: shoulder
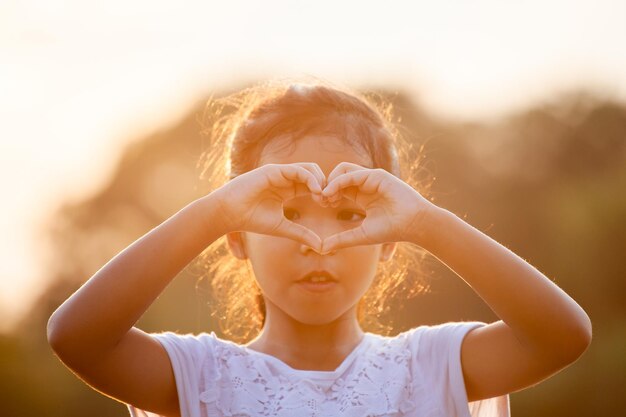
191	348
437	369
424	351
434	351
189	340
426	338
204	351
418	368
439	336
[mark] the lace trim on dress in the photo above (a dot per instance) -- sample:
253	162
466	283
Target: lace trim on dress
241	384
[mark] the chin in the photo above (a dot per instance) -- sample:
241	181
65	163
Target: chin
317	314
314	318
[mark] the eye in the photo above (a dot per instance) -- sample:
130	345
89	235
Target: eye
291	214
349	215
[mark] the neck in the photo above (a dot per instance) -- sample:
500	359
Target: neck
308	346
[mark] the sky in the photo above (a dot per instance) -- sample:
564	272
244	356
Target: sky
81	79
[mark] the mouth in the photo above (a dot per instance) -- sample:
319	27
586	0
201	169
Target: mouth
317	281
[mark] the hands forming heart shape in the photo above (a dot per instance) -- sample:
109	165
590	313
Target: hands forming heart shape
253	202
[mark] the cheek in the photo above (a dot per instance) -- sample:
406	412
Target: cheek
258	245
361	260
263	252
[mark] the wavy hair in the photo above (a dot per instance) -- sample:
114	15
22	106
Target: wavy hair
239	125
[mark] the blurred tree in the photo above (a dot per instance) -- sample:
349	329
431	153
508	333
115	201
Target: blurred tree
548	183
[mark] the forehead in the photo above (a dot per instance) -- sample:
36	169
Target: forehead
326	151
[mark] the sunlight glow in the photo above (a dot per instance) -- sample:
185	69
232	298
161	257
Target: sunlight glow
81	79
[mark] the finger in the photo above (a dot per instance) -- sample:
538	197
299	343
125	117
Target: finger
321	179
318	198
349	179
312	180
315	169
287	174
293	191
301	190
352	237
342	168
298	233
348	193
333	200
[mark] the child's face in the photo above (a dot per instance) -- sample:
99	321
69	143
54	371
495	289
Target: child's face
279	262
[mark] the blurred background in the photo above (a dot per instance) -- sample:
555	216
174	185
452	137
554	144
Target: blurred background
520	106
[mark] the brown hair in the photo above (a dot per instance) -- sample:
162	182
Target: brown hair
238	127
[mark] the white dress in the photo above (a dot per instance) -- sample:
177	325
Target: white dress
416	373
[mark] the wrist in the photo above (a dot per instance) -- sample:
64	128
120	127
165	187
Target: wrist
428	226
212	213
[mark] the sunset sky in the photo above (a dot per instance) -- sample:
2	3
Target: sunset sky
79	79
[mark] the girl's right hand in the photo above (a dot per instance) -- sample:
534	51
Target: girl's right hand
253	201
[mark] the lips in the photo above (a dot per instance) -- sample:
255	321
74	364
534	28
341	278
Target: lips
317	283
318	273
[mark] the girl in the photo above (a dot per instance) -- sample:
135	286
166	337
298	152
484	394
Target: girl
315	204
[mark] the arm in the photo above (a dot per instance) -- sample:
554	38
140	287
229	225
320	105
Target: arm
92	331
542	329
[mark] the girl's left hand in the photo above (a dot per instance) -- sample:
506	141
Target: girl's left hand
394	210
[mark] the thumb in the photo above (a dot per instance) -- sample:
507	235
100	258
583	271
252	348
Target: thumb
299	233
352	237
